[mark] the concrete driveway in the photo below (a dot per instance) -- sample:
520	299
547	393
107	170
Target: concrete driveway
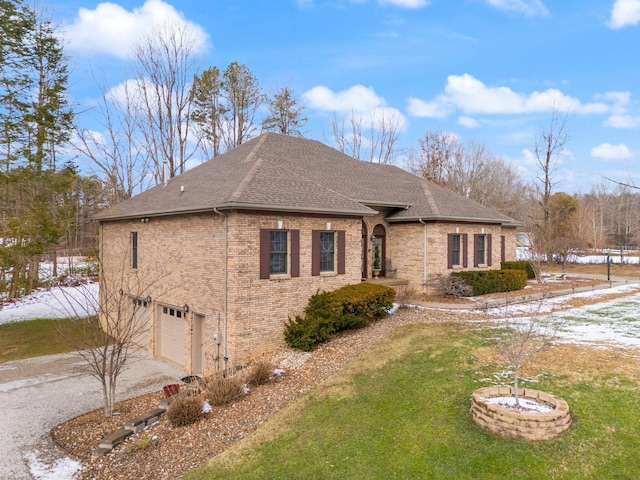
39	393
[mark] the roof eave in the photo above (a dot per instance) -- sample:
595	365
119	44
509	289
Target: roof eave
238	206
453	219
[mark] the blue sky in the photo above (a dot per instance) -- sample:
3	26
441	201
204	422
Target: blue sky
491	71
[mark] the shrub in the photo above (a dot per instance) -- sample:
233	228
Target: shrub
184	409
259	372
491	281
351	306
520	265
219	389
404	295
304	333
449	285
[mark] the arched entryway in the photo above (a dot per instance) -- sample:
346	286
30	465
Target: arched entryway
379	249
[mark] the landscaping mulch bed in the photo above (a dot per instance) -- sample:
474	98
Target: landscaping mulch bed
163	452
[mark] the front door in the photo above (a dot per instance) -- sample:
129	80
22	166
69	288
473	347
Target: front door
379	249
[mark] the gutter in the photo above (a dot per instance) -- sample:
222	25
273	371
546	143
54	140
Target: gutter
237	206
226	285
424	256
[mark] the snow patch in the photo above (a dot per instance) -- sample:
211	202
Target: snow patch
63	469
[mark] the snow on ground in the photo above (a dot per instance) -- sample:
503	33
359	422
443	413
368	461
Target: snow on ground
63	469
615	322
57	302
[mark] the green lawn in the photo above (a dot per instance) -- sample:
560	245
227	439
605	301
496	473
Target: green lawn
401	411
34	338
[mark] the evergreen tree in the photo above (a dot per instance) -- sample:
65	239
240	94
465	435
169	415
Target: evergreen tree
285	114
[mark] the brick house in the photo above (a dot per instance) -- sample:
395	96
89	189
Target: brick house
238	244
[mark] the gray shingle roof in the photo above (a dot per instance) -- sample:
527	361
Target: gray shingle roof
282	173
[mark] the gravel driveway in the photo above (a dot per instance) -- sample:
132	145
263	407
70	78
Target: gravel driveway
40	393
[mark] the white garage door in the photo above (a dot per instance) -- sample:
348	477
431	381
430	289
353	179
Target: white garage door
172	335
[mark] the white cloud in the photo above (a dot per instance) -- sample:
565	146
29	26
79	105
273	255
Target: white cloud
624	13
468	122
528	8
112	30
434	109
606	151
472	97
357	99
623	121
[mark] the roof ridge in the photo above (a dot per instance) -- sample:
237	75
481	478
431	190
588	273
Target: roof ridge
429	196
249	176
313	182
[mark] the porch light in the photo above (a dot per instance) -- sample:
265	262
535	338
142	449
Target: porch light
373	237
185	308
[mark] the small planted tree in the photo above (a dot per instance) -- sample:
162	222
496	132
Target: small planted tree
523	339
112	338
377	261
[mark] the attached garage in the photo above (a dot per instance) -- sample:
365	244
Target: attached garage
171	335
141	315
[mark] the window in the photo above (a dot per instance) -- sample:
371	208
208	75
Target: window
278	252
455	250
327	251
134	250
480	249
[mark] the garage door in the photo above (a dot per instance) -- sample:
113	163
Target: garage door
172	335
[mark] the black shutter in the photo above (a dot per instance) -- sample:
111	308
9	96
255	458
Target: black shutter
465	250
475	249
450	250
264	252
341	252
503	248
488	248
295	253
315	253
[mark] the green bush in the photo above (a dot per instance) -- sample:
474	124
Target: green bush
304	333
520	265
352	306
492	281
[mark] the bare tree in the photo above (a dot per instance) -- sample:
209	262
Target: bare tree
547	148
164	68
111	340
117	151
436	155
523	338
371	137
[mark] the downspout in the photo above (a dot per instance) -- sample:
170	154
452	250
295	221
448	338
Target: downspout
424	256
226	283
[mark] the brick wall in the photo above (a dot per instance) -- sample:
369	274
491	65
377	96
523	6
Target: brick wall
184	259
185	256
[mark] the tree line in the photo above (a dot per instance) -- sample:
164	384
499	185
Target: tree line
170	113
